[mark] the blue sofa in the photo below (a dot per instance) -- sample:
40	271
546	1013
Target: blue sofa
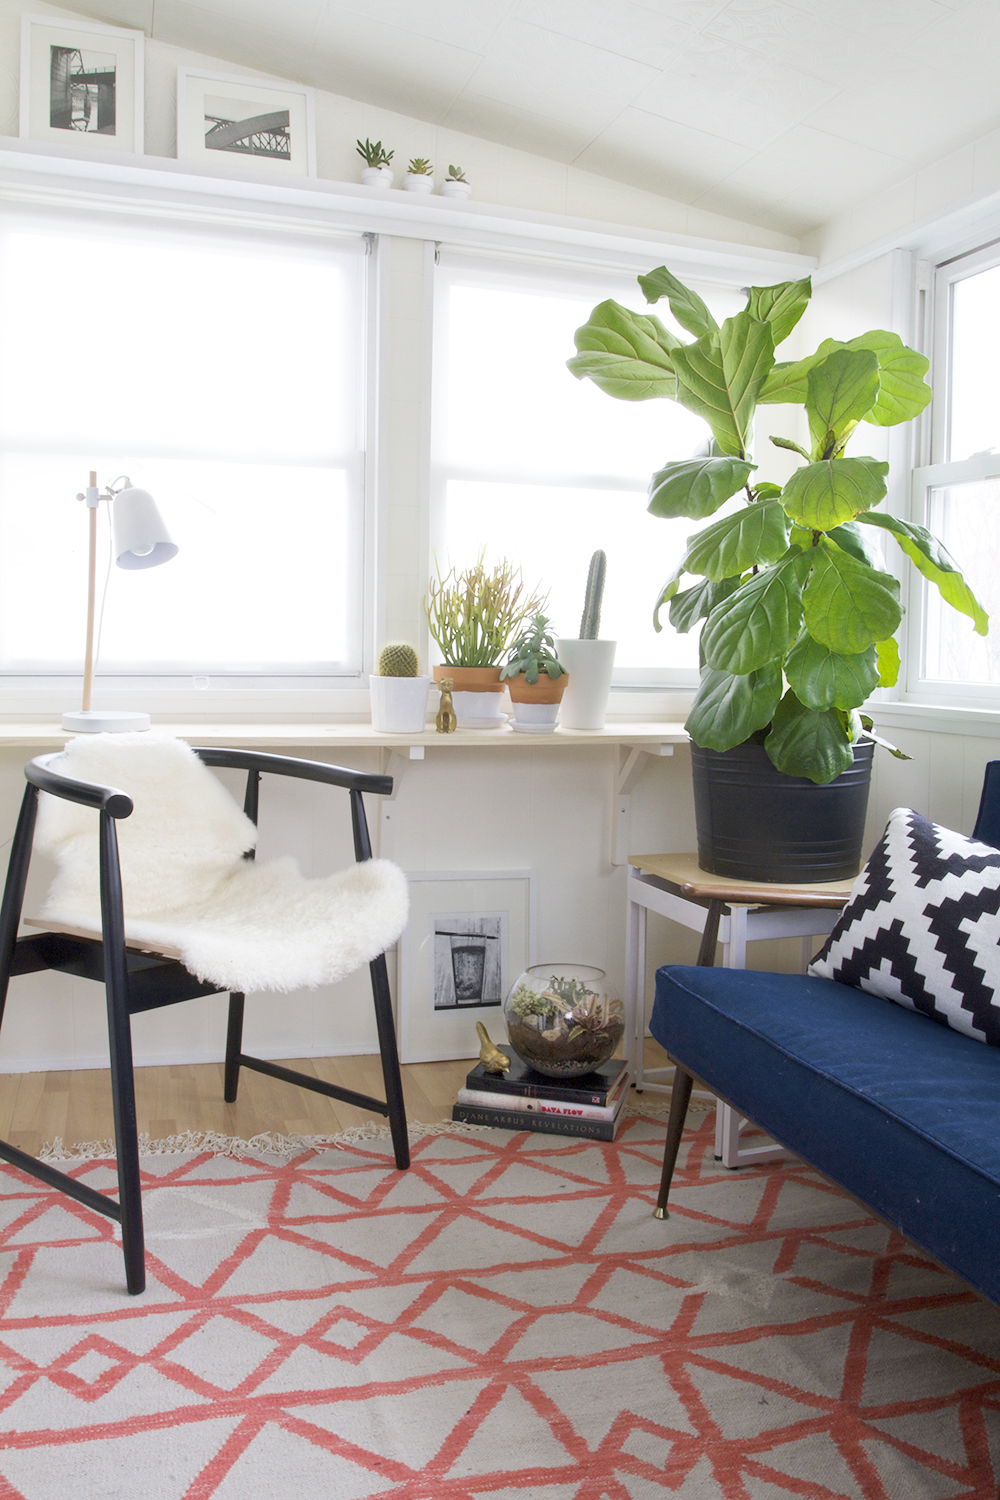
900	1111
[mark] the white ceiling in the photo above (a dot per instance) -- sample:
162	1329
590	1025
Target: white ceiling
779	112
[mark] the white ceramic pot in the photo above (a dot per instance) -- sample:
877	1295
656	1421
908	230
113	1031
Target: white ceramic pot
590	665
482	710
535	718
399	704
376	176
418	182
456	190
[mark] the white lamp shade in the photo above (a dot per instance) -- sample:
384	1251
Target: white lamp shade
140	538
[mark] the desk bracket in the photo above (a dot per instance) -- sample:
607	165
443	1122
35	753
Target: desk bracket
629	771
393	762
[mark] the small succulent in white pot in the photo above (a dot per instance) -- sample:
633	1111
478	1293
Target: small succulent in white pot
456	184
376	171
419	175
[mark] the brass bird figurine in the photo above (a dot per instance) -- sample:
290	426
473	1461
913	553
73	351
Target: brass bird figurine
492	1059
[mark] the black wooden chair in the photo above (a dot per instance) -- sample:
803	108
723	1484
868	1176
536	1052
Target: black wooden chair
136	980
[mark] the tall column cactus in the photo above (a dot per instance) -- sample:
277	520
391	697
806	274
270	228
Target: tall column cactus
590	622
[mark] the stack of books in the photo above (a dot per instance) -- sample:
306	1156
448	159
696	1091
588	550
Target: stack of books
525	1100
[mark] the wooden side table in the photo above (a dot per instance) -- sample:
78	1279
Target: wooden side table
730	912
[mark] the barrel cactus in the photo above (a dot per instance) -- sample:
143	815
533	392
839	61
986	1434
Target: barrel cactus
397	659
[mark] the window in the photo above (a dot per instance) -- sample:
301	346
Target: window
957	494
545	468
221	369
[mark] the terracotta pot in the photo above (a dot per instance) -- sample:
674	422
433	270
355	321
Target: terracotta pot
546	690
471	679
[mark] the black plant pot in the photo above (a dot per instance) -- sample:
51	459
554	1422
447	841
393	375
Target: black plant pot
754	823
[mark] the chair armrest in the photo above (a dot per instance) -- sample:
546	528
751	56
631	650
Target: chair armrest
104	798
287	765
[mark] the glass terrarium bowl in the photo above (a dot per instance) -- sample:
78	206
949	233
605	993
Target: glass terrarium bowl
563	1020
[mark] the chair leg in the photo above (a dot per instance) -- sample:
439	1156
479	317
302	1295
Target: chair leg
679	1100
234	1047
390	1062
122	1079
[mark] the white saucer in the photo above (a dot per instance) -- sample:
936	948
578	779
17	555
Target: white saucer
495	723
533	728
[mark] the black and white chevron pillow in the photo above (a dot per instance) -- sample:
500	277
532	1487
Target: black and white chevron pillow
922	927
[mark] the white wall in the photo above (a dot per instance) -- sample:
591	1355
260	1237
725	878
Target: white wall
547	809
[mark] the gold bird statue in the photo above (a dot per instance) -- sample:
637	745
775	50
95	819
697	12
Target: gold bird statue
492	1059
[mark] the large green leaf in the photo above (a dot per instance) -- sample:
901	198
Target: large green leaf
782	306
903	392
936	563
759	622
625	354
805	742
756	534
696	487
719	377
840	389
827	494
848	604
667	592
728	709
694	604
788	381
686	306
851	540
822	679
888	662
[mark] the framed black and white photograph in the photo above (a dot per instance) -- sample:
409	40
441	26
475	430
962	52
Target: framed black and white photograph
224	118
470	934
81	83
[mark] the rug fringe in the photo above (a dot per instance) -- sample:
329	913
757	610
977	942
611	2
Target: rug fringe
273	1143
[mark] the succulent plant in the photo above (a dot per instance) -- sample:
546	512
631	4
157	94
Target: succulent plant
374	153
590	622
534	651
420	167
397	659
455	174
473	614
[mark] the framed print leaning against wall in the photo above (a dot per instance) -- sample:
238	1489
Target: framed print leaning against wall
222	117
81	83
470	934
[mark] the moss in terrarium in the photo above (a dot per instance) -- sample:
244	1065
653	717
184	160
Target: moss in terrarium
525	1002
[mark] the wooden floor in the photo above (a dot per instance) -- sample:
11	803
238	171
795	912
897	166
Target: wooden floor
35	1108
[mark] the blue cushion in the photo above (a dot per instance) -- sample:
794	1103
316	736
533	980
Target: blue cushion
894	1108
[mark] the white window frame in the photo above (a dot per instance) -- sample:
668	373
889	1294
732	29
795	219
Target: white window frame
30	172
668	688
937	276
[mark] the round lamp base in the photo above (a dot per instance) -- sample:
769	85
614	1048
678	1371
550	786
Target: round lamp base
104	721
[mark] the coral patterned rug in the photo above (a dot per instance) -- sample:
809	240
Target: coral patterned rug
506	1321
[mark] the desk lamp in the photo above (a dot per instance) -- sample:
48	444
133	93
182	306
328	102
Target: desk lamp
140	541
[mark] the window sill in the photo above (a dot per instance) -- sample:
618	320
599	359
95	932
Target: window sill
938	718
290	736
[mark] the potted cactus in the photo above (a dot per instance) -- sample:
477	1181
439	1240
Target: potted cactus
536	679
456	184
419	176
376	171
473	615
589	661
398	692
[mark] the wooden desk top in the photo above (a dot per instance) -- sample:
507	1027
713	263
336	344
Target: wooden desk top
684	872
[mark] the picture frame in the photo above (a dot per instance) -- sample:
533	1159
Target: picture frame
81	84
470	934
217	114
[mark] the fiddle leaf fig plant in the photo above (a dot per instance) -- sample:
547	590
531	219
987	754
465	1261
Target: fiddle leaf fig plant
799	613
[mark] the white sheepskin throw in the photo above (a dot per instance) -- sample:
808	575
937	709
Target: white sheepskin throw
237	924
